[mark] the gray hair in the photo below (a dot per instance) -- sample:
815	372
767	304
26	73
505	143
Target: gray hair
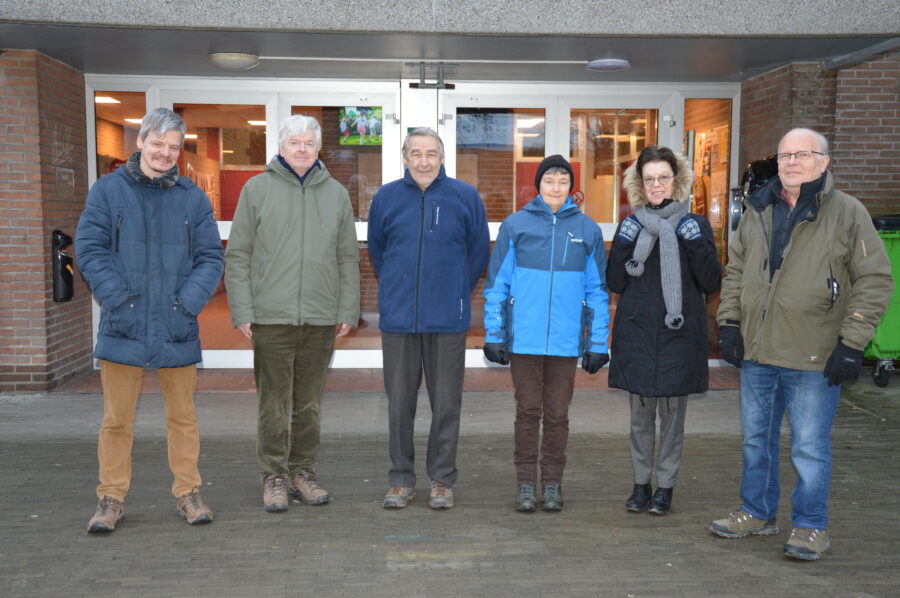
160	122
823	143
296	125
557	170
422	132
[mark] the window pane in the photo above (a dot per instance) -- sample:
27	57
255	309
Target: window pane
602	144
116	136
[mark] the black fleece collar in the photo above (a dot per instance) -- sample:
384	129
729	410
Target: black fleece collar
165	180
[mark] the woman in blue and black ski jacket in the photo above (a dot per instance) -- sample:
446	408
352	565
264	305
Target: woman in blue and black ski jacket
546	306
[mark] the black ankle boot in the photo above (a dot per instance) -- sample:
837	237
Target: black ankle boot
662	501
639	498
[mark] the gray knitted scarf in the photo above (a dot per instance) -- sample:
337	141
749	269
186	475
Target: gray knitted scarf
661	223
165	180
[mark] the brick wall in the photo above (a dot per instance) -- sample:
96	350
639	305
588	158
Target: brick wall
866	143
43	182
795	95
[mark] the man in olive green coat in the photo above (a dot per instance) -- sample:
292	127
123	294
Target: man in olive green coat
292	275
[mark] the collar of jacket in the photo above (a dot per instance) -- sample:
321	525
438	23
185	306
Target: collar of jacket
540	206
165	180
815	190
315	175
290	169
407	178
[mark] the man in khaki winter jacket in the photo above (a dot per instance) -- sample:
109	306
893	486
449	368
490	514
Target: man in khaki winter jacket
292	274
807	282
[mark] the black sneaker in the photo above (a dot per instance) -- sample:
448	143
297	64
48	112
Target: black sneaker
661	501
526	500
553	499
639	498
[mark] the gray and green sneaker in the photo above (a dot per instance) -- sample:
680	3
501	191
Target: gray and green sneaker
807	544
526	500
553	499
740	523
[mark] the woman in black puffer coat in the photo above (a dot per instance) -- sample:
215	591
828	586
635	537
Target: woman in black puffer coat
663	262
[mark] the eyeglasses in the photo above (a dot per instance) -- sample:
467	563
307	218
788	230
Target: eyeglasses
649	181
801	156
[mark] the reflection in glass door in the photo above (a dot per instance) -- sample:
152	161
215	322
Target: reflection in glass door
352	138
603	143
224	147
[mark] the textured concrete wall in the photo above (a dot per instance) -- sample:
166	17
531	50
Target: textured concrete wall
585	17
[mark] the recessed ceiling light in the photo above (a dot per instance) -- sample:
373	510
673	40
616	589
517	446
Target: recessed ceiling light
106	100
135	121
234	61
607	65
190	136
257	123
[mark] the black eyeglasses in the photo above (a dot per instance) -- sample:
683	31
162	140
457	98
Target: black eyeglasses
801	156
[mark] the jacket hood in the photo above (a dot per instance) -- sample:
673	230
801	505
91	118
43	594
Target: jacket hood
765	195
316	175
681	192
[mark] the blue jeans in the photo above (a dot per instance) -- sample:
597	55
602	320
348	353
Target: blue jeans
811	404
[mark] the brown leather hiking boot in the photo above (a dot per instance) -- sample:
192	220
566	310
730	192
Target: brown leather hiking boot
109	512
192	508
305	487
275	493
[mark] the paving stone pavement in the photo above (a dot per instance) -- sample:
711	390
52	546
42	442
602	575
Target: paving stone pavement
354	548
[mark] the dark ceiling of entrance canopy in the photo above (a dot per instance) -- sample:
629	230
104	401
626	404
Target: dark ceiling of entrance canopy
101	50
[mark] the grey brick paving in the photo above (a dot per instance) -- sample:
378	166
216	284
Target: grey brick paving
354	548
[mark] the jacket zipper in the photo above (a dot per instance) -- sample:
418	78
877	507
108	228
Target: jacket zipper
550	299
434	210
118	230
190	244
419	256
302	241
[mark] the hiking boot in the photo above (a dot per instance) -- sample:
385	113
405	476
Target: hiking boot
398	497
661	501
305	487
274	493
441	496
193	509
740	523
553	500
807	544
639	498
109	512
526	500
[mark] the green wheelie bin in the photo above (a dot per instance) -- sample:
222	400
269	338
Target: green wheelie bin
885	346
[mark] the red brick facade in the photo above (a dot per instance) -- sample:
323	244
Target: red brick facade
43	182
857	109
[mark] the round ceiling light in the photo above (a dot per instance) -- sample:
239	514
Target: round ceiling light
234	61
608	65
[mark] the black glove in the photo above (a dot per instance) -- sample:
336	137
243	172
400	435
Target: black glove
731	344
843	364
592	362
496	352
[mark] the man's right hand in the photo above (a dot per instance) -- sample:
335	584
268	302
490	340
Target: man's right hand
731	344
245	328
496	352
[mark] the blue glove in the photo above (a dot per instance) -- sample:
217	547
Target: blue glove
688	229
629	229
496	352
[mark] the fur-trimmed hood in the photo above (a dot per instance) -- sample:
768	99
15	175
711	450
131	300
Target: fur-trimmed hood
681	192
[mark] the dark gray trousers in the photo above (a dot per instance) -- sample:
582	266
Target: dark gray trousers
643	437
441	357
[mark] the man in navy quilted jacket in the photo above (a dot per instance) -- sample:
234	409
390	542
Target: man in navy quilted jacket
149	248
428	240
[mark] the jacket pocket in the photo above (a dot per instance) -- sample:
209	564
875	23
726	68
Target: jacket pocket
181	325
510	322
124	320
586	331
